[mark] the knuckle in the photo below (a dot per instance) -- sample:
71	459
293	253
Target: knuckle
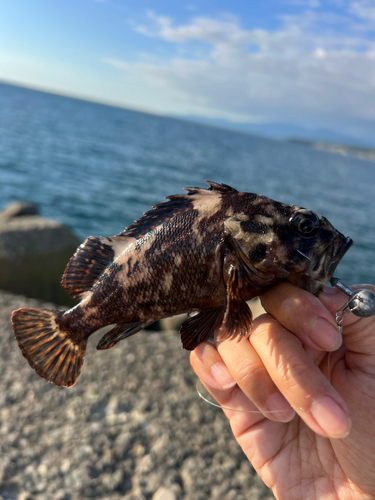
293	372
248	373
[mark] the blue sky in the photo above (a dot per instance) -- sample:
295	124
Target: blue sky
308	63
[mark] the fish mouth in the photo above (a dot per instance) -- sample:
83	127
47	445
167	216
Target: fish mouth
334	262
328	262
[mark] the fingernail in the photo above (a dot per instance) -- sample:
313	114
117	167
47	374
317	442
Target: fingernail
331	417
221	374
326	335
279	406
331	290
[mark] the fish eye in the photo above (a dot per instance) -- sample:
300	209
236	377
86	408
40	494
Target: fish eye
305	222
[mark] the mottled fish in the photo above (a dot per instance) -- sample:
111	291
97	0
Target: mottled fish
205	252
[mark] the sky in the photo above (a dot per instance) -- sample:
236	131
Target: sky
305	63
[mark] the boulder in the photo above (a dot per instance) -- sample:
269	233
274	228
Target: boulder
34	252
17	209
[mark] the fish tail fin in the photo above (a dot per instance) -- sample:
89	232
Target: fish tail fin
54	353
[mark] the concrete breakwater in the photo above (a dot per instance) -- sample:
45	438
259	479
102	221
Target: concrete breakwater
33	253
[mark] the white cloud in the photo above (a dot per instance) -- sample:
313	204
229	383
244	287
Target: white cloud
225	30
364	9
320	54
298	72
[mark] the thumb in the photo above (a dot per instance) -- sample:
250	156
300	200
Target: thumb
358	333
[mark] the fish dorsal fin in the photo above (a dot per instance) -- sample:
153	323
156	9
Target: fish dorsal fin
177	204
90	261
214	187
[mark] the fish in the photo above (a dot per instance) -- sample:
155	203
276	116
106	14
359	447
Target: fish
206	253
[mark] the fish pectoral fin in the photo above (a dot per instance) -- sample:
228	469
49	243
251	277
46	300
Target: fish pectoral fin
120	332
200	327
54	353
237	317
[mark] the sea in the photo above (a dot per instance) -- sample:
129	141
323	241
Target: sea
97	168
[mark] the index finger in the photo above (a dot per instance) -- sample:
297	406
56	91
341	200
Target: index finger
304	315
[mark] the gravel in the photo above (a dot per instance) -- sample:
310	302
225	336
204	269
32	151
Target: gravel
132	428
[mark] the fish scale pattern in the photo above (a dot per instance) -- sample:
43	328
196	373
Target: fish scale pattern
208	251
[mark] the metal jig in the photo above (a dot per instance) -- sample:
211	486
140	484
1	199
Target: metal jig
361	302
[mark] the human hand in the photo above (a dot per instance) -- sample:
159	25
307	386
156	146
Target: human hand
318	441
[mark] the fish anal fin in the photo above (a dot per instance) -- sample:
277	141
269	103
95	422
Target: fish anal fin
120	332
200	327
90	261
50	351
238	317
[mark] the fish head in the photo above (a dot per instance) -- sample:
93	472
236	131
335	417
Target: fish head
318	249
277	242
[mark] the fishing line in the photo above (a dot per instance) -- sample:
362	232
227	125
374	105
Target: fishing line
231	409
329	367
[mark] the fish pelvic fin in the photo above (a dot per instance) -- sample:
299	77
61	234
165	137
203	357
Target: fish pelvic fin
200	327
238	319
89	262
51	351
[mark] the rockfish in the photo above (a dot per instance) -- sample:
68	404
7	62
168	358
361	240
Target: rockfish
206	252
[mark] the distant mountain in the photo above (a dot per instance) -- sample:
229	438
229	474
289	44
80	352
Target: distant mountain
363	135
287	131
341	149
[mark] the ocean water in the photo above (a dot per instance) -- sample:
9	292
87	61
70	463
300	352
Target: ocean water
97	168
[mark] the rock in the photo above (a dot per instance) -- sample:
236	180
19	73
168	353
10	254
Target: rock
164	494
18	209
173	322
256	307
34	252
